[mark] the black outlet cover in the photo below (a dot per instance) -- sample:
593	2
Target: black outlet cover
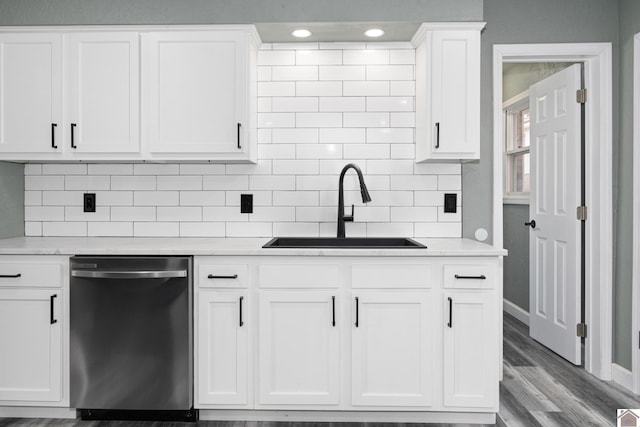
450	202
89	202
246	203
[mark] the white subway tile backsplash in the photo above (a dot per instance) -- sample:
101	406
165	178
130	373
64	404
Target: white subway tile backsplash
366	88
320	107
366	56
342	72
295	136
318	57
156	198
321	88
342	103
390	72
294	73
390	103
156	229
294	104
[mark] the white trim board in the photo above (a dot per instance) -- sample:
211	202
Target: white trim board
622	376
635	321
599	175
517	312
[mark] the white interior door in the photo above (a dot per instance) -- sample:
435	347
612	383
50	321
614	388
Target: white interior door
555	239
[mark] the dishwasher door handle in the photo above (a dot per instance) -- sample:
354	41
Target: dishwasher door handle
159	274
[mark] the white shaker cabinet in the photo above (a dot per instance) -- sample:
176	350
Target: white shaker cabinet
392	344
30	95
201	94
33	331
298	346
103	104
448	91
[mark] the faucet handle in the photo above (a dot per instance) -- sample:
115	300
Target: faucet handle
349	218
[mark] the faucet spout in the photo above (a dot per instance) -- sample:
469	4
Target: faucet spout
366	198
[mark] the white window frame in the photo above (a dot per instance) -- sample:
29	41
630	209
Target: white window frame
517	103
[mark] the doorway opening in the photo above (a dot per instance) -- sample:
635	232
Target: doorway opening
596	58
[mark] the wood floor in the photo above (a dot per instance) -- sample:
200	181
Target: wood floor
539	389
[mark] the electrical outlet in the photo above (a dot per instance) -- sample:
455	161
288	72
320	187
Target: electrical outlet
89	202
246	203
450	202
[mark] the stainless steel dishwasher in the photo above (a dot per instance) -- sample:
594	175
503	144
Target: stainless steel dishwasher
132	337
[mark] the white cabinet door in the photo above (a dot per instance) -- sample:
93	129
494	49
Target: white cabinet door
103	93
30	93
470	350
299	354
448	96
31	345
223	338
392	348
198	94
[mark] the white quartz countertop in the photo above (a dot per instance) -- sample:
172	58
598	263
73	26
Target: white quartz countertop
223	247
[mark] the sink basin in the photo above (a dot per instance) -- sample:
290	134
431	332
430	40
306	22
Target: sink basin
347	242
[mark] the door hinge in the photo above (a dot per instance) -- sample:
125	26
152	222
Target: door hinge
581	330
581	96
581	213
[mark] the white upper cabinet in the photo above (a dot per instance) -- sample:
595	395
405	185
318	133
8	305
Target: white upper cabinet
30	94
201	101
103	105
448	92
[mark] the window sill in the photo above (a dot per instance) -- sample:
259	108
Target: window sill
515	200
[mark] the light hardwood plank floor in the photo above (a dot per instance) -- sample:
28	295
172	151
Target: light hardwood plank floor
539	389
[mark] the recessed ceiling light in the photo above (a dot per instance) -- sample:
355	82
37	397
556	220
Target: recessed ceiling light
374	32
301	33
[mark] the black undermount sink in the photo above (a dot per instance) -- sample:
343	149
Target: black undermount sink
344	242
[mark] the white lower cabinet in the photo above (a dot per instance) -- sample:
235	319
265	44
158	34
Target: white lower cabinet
298	346
223	349
392	346
470	350
33	331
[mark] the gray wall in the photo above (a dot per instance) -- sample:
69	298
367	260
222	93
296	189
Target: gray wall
69	12
11	200
516	265
568	21
623	188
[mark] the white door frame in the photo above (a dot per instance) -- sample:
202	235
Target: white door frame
597	61
635	323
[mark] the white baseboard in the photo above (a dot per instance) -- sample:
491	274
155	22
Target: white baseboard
622	376
516	311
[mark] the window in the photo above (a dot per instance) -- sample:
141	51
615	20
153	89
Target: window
516	154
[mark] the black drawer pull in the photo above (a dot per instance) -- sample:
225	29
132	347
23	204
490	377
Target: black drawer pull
357	314
241	322
480	277
73	128
450	312
239	126
53	135
10	276
438	135
211	276
52	319
333	303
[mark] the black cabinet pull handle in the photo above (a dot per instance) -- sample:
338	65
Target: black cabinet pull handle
73	128
53	135
211	276
10	276
480	277
333	303
437	134
239	126
241	322
357	314
450	312
52	319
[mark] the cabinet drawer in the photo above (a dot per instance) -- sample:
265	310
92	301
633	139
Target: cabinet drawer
300	276
469	276
392	276
222	275
37	274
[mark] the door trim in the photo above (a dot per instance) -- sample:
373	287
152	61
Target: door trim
635	322
597	59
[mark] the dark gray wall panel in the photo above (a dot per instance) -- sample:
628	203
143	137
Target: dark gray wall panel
11	200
